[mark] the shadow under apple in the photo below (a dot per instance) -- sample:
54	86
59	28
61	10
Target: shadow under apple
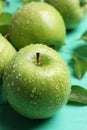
10	120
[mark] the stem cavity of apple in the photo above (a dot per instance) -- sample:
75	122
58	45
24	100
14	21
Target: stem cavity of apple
38	58
83	3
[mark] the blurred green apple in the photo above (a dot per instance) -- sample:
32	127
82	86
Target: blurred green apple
7	51
37	82
73	11
37	22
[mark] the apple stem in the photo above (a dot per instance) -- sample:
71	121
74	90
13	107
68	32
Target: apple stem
38	58
6	35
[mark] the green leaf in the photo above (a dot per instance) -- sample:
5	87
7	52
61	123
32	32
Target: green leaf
81	51
80	66
78	94
84	36
5	19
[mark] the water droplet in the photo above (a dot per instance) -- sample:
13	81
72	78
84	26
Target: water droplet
17	94
32	95
56	88
37	74
11	75
31	102
33	90
14	66
12	83
25	79
27	22
18	89
19	74
16	77
35	96
28	109
8	84
51	101
57	96
13	70
8	76
20	63
29	81
42	89
5	73
49	107
34	103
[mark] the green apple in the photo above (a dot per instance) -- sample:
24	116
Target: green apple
73	11
37	82
7	51
37	22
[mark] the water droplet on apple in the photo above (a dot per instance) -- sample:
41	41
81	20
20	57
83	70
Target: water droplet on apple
34	103
11	75
20	63
56	88
35	97
5	73
12	83
25	80
32	95
27	22
49	107
43	82
13	66
8	76
31	102
28	109
16	77
36	74
21	52
17	94
33	80
51	101
57	96
18	89
1	60
1	64
8	84
33	90
29	81
19	74
43	89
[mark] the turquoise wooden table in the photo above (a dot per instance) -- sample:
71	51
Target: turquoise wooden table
72	116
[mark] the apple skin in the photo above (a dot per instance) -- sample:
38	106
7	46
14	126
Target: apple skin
7	51
72	11
37	91
37	22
